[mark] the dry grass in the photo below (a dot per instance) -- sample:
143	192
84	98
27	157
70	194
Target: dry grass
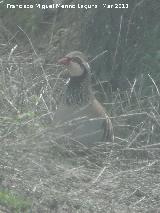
65	176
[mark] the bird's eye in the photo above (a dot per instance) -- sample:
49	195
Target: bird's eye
77	60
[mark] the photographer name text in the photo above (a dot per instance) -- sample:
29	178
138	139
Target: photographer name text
66	6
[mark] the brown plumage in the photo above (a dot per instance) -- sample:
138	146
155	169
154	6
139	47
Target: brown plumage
81	116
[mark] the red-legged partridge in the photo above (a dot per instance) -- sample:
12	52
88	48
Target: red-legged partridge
80	116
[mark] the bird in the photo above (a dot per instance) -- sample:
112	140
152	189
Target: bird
80	116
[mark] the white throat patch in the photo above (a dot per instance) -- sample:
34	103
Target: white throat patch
75	69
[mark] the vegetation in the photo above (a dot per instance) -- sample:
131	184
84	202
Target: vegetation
14	203
63	176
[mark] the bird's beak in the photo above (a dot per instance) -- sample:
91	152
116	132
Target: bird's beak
64	61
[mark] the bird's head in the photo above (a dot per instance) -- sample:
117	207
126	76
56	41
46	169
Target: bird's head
78	85
76	63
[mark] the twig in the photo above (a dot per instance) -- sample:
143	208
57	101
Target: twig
99	175
12	51
117	43
97	56
154	84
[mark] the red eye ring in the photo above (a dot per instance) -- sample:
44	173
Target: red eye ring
64	61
